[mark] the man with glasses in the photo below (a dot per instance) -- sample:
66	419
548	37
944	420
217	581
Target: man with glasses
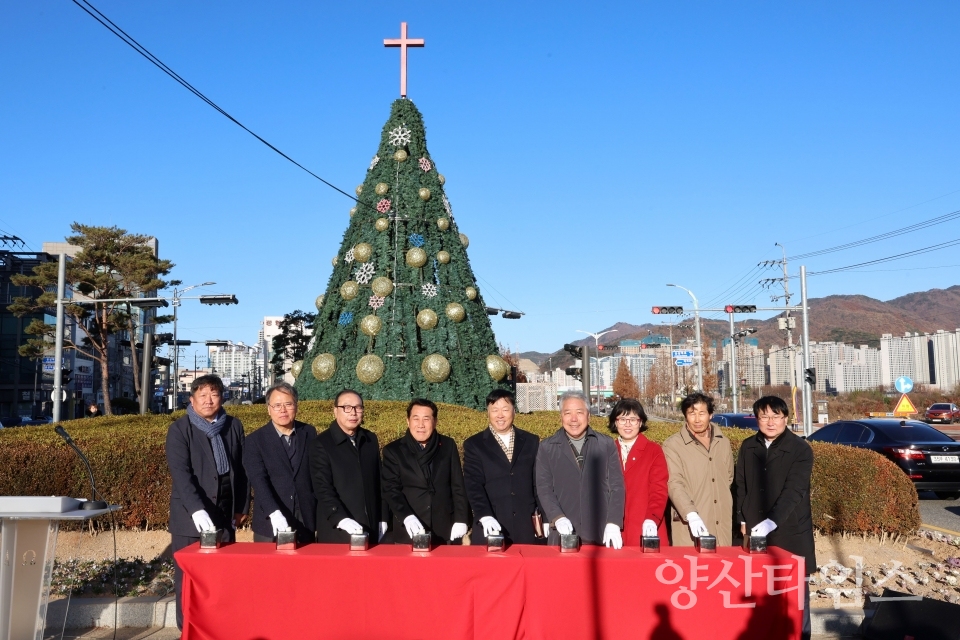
275	457
773	487
345	467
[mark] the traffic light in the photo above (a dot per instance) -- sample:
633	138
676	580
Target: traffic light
740	308
164	338
574	350
810	376
219	299
606	347
666	310
65	376
576	372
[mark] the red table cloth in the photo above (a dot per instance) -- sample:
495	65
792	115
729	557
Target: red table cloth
252	591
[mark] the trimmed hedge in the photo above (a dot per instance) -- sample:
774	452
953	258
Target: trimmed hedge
854	490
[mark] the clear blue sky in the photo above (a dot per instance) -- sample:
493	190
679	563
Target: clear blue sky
593	151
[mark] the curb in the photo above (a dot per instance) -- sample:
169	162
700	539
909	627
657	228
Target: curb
89	613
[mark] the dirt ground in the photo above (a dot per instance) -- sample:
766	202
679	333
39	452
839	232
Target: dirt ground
130	544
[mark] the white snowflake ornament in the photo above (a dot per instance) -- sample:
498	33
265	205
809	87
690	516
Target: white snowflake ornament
429	290
446	206
400	136
348	257
374	162
364	273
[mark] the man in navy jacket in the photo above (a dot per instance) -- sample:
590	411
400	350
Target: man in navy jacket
276	457
205	457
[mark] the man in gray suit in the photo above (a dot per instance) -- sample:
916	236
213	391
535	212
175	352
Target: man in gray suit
580	480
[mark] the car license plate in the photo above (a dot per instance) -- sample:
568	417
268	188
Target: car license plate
948	459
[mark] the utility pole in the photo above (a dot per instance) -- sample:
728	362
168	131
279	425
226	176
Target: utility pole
734	381
58	346
787	323
807	389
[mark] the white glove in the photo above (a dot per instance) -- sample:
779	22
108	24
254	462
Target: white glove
350	525
458	530
490	526
564	526
383	531
697	528
201	519
764	528
611	536
278	522
546	529
413	526
649	529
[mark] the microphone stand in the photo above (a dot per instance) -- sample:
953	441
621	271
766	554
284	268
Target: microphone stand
89	505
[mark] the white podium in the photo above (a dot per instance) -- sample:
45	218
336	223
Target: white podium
28	541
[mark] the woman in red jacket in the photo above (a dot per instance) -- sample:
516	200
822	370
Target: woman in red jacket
644	474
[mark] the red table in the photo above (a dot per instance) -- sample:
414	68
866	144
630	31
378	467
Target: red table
252	591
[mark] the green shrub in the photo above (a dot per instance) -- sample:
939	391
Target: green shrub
852	490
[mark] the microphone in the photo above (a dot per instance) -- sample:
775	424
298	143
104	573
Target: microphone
89	505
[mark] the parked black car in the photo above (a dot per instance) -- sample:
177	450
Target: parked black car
738	420
930	458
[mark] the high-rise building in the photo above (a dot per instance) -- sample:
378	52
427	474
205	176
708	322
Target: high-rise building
946	356
907	355
235	363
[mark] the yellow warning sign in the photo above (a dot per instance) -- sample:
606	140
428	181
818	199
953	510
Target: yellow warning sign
904	407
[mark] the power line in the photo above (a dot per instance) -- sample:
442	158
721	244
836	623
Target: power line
136	46
899	256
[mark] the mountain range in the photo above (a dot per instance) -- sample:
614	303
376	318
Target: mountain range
853	319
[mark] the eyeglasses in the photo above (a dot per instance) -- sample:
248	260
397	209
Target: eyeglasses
283	405
349	408
774	418
624	420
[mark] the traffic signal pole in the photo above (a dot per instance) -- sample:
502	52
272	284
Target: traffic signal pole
58	346
807	389
734	380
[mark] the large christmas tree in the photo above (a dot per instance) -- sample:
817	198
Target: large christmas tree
402	315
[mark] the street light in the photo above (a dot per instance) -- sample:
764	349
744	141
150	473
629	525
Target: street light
696	322
596	339
177	293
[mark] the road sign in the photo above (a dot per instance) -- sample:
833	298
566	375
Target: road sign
682	353
684	362
53	395
904	407
48	363
904	384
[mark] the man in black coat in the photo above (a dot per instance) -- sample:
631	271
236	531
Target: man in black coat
345	468
499	471
205	456
422	480
773	487
275	457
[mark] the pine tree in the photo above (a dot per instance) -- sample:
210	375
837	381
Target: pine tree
291	344
402	315
624	384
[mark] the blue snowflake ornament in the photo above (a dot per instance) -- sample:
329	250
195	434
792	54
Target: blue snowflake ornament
416	240
346	318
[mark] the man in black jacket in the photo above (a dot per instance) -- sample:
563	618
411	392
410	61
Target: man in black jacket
205	457
499	471
773	487
345	468
422	480
275	457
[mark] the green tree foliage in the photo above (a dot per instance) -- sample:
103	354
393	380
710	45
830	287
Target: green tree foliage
624	384
291	343
111	263
401	210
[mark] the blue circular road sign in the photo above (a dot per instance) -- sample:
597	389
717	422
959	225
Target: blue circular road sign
904	384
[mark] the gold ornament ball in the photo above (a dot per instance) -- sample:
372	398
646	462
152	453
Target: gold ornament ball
435	368
371	325
335	260
443	257
427	319
382	224
349	290
324	366
497	367
296	369
319	302
382	188
464	240
362	252
416	257
455	312
359	189
471	293
382	286
441	178
353	211
369	369
400	155
424	194
443	224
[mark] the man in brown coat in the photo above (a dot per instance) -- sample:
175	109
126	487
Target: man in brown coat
700	462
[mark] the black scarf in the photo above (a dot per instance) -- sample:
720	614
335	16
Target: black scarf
212	431
425	455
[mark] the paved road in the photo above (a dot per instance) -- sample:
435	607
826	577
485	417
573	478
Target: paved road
125	633
940	513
